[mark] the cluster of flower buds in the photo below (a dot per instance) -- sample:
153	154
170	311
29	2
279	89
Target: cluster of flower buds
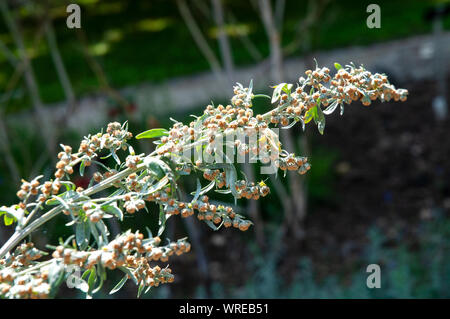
348	84
111	256
178	135
174	207
22	256
360	84
116	137
133	203
49	188
284	116
218	214
93	212
65	163
206	210
242	96
250	190
13	284
130	250
217	175
27	286
150	276
293	163
119	252
132	161
164	252
134	183
27	189
162	196
219	119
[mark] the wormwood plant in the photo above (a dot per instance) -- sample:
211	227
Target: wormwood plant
207	146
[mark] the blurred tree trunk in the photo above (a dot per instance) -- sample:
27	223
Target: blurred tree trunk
6	152
224	45
199	39
227	59
297	192
30	80
60	68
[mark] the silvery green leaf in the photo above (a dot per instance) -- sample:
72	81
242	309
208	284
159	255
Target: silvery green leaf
100	285
61	201
162	220
95	233
129	273
207	188
91	281
157	166
82	167
116	158
223	191
80	236
303	123
72	222
211	225
119	285
290	125
140	289
113	209
55	276
330	109
277	92
197	192
150	235
103	231
69	185
320	120
68	240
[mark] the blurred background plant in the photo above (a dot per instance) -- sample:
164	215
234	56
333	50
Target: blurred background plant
144	61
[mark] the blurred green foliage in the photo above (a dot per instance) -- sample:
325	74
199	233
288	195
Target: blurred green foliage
139	41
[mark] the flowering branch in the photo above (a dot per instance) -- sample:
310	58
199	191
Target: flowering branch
207	145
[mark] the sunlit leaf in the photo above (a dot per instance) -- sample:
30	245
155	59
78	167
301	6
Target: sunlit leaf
330	109
153	133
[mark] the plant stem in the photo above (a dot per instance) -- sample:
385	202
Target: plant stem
24	232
